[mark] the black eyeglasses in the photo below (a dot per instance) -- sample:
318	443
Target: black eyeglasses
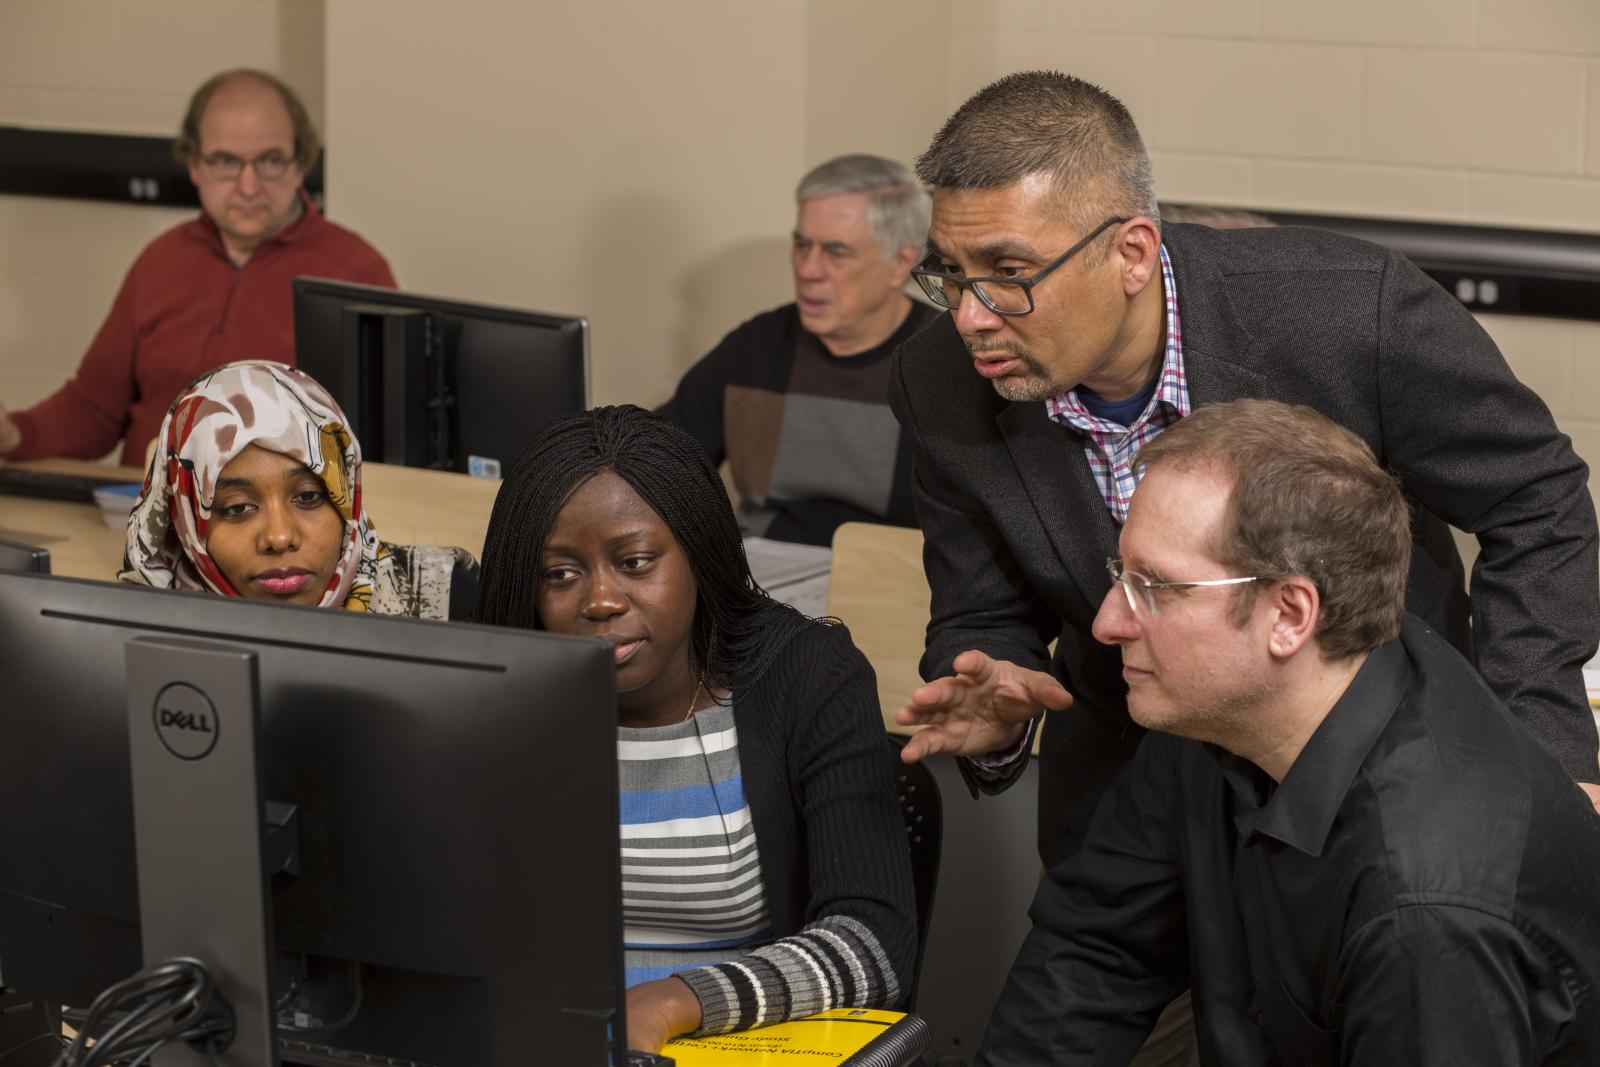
1003	296
226	167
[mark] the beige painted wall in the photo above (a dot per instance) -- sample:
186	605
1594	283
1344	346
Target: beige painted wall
572	158
632	162
112	66
875	76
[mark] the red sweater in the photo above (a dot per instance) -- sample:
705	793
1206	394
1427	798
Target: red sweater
183	309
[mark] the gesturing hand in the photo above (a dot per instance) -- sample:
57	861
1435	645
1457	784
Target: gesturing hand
981	708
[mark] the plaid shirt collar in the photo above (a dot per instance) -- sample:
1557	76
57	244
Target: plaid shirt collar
1111	450
1172	387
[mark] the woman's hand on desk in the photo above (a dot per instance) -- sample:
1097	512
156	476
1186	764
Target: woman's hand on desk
983	707
660	1010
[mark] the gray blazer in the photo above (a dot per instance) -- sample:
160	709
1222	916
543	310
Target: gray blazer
1017	533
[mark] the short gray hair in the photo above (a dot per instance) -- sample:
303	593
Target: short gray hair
1045	122
898	210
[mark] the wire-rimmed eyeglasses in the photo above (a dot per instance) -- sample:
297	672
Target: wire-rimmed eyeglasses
1141	591
1003	296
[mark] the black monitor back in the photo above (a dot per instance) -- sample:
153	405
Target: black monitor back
16	556
430	382
457	800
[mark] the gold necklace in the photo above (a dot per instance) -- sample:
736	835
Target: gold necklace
697	687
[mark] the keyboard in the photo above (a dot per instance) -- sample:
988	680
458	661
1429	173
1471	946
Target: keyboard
53	485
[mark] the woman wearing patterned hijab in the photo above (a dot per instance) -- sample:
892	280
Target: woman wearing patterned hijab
254	490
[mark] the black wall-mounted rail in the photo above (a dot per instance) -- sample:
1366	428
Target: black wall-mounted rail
1488	268
125	168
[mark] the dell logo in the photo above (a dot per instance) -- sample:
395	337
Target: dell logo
185	721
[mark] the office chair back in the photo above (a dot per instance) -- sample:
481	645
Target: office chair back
924	818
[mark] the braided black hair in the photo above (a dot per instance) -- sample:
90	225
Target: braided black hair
738	629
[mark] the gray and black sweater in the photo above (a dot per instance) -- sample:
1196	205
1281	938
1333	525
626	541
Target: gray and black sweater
808	435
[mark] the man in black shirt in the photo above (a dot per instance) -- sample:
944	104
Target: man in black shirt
796	399
1352	852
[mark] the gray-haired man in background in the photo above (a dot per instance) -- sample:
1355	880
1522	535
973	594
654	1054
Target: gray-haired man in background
796	399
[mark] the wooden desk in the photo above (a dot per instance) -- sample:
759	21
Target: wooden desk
81	544
417	507
879	591
407	506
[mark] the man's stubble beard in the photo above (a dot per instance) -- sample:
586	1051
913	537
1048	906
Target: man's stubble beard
1226	721
1033	386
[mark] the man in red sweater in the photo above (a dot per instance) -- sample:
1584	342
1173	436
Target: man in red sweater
212	290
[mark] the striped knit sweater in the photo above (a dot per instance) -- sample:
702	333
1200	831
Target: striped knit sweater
816	773
691	865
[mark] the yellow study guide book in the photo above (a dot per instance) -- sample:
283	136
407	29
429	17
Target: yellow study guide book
852	1036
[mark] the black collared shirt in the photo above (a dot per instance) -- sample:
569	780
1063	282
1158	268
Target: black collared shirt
1423	888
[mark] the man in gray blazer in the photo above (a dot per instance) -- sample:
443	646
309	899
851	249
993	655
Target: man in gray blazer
1080	328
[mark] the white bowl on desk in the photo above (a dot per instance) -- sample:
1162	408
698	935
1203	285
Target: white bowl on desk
116	501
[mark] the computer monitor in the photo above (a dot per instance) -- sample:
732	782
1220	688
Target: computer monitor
458	895
429	382
16	556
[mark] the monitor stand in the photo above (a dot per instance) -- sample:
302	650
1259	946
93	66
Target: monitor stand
394	369
193	708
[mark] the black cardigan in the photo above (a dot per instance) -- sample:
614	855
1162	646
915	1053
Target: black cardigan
819	781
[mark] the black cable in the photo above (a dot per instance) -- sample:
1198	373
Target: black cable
154	985
358	998
135	1023
144	1057
8	1053
131	1019
288	996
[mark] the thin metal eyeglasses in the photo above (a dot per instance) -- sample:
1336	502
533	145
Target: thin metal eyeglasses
1141	591
225	166
1003	296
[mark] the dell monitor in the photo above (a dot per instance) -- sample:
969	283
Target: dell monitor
16	556
439	803
429	382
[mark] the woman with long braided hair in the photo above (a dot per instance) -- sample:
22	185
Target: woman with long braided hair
765	872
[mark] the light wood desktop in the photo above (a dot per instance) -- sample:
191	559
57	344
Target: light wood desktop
879	591
406	505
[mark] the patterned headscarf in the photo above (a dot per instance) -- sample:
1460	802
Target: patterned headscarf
214	419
